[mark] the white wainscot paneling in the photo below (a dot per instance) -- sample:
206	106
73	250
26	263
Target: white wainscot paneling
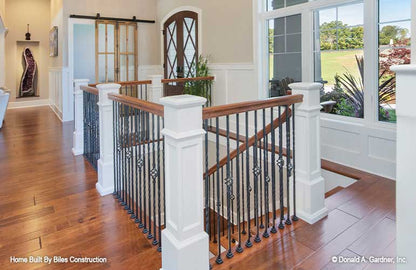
146	70
354	143
233	83
333	180
61	93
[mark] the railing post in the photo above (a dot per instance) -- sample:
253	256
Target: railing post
310	185
156	88
78	136
184	241
105	183
405	163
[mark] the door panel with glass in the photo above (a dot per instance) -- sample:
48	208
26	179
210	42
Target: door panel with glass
116	51
180	49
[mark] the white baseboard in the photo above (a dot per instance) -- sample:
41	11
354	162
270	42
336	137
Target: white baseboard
57	112
29	103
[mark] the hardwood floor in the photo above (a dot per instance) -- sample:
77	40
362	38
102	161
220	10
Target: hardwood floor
49	206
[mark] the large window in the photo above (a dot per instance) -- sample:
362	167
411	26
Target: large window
285	53
339	58
276	4
393	49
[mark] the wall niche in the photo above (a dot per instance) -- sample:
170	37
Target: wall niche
27	86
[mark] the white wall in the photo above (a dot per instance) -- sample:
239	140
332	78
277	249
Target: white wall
84	51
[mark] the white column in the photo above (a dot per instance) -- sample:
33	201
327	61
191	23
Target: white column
185	243
105	183
156	88
405	164
78	136
310	185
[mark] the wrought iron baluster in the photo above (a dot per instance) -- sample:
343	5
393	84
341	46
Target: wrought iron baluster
273	168
136	170
154	174
229	183
239	249
149	180
256	173
144	142
158	186
217	136
288	166
294	218
207	183
266	176
280	163
248	186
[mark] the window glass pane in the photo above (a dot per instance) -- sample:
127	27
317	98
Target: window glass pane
394	49
285	57
110	37
110	67
339	59
326	15
123	65
294	43
131	68
276	4
348	15
394	10
130	44
394	34
123	37
101	68
293	24
101	37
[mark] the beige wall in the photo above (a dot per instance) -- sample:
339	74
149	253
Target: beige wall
56	19
142	9
19	14
227	27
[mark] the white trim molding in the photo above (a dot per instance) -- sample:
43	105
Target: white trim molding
28	103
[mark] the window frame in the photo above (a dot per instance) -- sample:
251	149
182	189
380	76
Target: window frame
371	64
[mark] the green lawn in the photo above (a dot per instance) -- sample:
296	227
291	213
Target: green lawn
338	62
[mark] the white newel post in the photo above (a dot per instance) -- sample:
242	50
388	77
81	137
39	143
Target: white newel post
405	164
156	88
310	185
78	136
105	183
185	243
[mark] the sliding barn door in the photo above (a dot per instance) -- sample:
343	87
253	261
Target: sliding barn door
180	49
116	51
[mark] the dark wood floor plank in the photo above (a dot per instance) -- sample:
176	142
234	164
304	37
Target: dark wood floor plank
316	235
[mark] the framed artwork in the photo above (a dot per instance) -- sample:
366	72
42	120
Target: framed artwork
53	42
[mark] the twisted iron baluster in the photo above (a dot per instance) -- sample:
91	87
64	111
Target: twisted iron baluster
256	173
249	244
229	183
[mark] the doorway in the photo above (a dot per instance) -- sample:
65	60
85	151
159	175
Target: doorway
180	34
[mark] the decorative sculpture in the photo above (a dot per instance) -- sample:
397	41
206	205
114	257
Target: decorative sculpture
28	83
28	33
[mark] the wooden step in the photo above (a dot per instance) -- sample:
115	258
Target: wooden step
333	191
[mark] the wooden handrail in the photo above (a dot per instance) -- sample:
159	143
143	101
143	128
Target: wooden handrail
125	83
89	89
223	110
182	80
242	148
136	103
